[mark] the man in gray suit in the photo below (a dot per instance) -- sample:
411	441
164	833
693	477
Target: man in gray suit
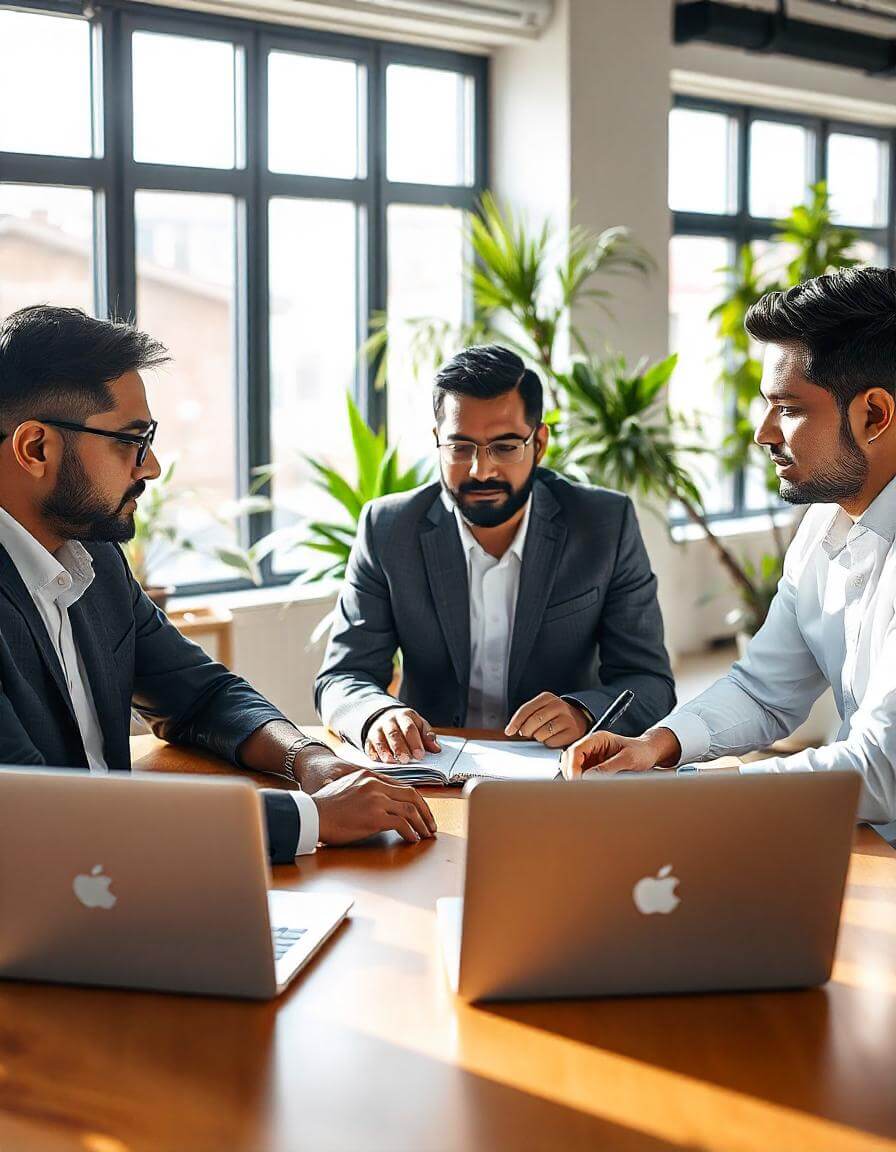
517	599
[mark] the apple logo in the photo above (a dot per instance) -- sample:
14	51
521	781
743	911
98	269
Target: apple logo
93	890
656	893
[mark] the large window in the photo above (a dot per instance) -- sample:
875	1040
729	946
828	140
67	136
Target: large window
251	195
734	171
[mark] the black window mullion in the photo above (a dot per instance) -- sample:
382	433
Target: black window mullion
374	400
821	150
256	403
742	238
433	195
890	245
125	184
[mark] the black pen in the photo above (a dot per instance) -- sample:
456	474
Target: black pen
612	714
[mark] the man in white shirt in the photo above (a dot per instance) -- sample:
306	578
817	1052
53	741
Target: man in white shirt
518	600
80	642
829	386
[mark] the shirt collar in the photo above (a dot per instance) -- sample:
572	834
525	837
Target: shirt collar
64	576
469	541
879	517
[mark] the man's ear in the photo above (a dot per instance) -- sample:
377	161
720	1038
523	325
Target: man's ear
879	412
542	436
30	448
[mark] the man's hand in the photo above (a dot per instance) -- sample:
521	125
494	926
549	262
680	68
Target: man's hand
550	720
400	735
316	767
361	804
605	753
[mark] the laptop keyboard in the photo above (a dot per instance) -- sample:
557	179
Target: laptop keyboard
284	938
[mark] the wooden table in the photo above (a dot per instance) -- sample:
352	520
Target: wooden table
370	1051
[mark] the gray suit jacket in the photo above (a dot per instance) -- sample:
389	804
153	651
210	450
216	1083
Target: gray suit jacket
132	654
587	620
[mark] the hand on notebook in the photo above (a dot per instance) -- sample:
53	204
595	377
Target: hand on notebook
605	753
362	804
400	735
550	720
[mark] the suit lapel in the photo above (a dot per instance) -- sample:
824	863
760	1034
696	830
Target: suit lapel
92	642
446	570
545	539
13	588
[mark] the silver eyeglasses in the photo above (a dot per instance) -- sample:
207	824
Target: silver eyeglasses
505	450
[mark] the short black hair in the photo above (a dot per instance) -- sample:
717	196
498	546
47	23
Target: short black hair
486	371
58	363
844	324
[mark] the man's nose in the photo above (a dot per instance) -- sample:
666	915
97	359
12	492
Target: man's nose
482	465
768	432
149	469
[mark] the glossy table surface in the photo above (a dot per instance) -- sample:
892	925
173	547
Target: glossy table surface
370	1050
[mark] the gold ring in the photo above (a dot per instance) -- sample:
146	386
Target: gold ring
539	719
550	727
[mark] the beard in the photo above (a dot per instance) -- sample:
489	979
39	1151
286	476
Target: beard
844	479
76	512
490	514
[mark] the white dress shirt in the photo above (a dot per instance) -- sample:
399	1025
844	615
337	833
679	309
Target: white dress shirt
833	621
55	582
494	584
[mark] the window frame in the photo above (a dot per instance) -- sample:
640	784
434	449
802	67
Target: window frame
740	227
114	178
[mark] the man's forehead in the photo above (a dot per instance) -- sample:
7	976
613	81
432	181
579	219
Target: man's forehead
782	372
130	396
504	412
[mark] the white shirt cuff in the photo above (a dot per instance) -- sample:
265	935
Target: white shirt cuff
691	732
309	823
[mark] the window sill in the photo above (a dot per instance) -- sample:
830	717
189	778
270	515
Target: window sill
250	598
742	526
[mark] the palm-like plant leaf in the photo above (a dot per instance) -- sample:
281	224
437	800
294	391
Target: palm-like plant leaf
377	474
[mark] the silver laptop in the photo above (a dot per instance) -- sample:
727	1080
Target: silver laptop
651	884
148	881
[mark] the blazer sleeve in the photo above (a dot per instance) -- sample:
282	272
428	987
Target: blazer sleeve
185	696
282	824
16	746
350	689
630	634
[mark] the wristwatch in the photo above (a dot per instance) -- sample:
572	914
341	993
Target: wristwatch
295	748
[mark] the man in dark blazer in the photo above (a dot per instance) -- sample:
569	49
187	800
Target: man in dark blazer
81	643
517	599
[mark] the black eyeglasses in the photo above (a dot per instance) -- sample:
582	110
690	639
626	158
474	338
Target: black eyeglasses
143	440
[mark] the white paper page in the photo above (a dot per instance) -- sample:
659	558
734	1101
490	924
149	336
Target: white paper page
507	760
441	762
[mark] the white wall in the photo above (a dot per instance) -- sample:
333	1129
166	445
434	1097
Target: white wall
530	123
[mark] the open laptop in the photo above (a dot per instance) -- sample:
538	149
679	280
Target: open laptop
151	881
650	884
